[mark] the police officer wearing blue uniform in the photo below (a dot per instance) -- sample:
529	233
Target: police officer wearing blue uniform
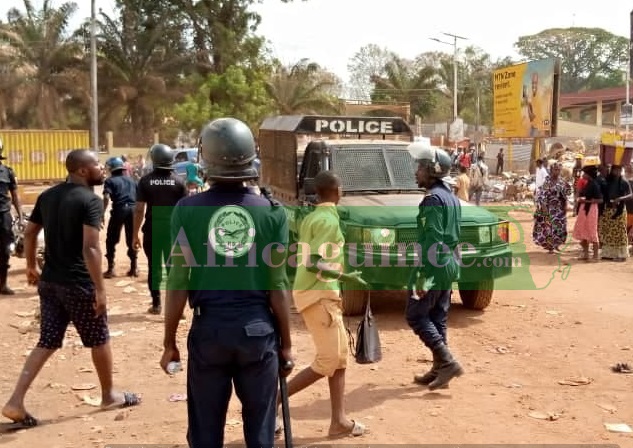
159	188
8	196
438	235
240	333
121	190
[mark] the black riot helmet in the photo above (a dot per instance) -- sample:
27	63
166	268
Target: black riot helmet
162	156
227	148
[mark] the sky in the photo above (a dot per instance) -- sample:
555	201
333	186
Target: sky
330	32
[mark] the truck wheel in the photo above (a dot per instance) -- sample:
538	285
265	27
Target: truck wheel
354	302
476	296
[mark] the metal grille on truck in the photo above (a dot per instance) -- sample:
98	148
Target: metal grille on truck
410	235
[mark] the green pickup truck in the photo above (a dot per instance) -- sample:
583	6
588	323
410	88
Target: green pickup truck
379	207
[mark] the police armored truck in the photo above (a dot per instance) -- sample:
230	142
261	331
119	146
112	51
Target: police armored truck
379	208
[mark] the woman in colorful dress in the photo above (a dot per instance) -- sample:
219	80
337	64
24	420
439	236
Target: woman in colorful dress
550	218
586	226
614	238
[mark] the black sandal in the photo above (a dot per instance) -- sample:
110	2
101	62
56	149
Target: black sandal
27	422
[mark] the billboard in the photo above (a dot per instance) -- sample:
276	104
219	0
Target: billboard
525	99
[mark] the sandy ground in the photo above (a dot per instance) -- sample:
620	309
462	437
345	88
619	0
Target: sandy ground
515	354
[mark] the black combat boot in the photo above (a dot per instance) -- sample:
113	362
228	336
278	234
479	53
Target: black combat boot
133	272
449	368
155	308
4	288
110	272
425	379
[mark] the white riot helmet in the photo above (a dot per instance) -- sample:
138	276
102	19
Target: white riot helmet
436	160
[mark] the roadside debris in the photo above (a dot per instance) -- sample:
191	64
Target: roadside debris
550	416
177	397
607	407
84	386
622	367
618	427
576	381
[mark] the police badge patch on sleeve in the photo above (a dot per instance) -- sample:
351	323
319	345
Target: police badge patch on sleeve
231	231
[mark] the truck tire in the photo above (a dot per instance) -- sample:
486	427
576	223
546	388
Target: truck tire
354	302
476	296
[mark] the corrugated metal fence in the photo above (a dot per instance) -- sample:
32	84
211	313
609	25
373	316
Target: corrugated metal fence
38	155
520	156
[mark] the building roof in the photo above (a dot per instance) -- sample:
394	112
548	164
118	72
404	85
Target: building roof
608	95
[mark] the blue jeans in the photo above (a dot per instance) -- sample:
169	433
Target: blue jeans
427	317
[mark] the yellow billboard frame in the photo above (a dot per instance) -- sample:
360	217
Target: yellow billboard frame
517	114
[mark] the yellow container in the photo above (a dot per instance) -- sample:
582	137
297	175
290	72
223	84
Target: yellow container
40	155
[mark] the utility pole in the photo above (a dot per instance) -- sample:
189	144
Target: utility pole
455	37
94	116
454	44
629	69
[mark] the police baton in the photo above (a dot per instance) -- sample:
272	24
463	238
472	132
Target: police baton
285	406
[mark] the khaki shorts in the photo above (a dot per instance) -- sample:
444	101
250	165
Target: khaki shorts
324	321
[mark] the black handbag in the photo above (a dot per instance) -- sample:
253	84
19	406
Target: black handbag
367	350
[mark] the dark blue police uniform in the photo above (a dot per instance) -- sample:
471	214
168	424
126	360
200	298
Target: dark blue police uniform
122	192
233	340
160	188
438	235
8	184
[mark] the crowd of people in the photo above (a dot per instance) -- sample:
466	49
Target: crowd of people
603	207
473	173
240	332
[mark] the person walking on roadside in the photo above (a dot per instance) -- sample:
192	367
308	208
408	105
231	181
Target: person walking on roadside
438	236
500	162
463	184
160	188
8	195
319	301
586	225
550	217
240	332
121	190
71	287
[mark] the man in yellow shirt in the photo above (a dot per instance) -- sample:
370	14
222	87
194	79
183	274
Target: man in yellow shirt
463	184
316	294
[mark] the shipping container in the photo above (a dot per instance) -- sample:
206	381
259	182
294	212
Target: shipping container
40	155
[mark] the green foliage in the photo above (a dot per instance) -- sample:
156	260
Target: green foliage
238	93
590	57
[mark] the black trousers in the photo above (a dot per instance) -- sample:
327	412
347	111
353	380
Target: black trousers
120	217
157	252
244	357
6	239
427	317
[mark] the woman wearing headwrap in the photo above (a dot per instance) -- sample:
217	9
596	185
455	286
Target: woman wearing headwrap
586	226
615	244
550	218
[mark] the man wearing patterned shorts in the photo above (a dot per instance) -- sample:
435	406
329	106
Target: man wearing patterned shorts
71	288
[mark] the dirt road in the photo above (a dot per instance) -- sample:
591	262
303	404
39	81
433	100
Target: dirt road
515	354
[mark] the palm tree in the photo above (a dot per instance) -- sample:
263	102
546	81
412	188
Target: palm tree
136	66
303	88
41	64
407	82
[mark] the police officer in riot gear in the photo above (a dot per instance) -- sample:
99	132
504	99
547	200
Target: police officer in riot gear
8	196
240	333
161	187
121	190
438	235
